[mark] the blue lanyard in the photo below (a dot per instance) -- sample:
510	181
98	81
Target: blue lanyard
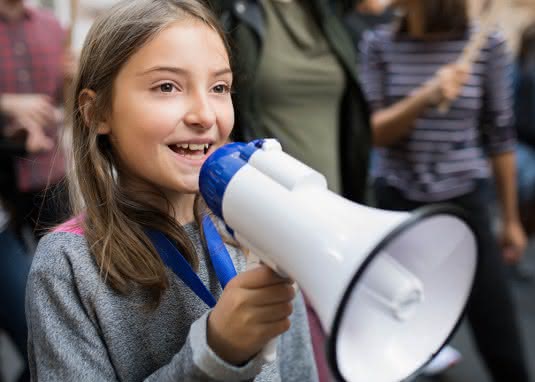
219	256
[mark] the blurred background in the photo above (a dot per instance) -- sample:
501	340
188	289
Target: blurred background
516	16
517	23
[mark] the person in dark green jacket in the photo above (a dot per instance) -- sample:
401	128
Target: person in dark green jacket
295	69
295	80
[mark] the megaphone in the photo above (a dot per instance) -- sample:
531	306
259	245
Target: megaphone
389	287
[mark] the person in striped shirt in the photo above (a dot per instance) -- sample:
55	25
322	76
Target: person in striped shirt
428	155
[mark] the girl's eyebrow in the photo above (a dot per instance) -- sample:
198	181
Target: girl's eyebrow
177	70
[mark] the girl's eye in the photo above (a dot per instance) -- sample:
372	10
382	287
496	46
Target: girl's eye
167	87
221	89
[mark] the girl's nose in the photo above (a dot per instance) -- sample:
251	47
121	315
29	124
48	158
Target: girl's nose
201	113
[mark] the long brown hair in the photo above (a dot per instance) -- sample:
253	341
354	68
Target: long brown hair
114	217
442	18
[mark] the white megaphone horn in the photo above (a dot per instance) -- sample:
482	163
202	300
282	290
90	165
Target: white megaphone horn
389	287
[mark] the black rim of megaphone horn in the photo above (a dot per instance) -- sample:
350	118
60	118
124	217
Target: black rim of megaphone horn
416	216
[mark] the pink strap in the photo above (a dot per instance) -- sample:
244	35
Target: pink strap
73	225
318	343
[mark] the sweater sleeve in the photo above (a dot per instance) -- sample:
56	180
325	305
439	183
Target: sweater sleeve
197	362
65	341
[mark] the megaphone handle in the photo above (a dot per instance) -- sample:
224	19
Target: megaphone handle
269	352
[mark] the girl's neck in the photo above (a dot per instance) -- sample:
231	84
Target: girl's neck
415	21
183	207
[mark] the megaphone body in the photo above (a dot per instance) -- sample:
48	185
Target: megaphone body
389	287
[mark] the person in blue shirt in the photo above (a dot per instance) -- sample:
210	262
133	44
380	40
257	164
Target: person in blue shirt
524	106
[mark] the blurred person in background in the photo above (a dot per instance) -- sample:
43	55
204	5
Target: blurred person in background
524	107
296	81
524	80
14	260
33	68
366	15
31	84
15	266
427	156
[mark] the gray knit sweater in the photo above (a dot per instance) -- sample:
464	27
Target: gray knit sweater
82	330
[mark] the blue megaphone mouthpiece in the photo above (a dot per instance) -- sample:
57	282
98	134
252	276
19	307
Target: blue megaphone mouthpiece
220	167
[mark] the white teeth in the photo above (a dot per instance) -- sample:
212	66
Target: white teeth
193	146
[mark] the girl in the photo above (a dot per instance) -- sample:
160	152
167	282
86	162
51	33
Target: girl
152	101
426	156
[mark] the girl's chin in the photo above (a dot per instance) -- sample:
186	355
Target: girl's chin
189	186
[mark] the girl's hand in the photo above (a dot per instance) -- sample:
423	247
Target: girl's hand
447	83
254	308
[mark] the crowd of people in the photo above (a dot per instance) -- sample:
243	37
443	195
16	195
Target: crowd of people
97	149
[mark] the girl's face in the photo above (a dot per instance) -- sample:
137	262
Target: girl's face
171	107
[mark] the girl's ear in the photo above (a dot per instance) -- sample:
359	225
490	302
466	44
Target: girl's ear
86	100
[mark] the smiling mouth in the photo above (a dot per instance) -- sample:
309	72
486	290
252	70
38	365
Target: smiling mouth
191	150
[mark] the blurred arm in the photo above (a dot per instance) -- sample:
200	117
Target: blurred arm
504	168
389	123
499	139
394	122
